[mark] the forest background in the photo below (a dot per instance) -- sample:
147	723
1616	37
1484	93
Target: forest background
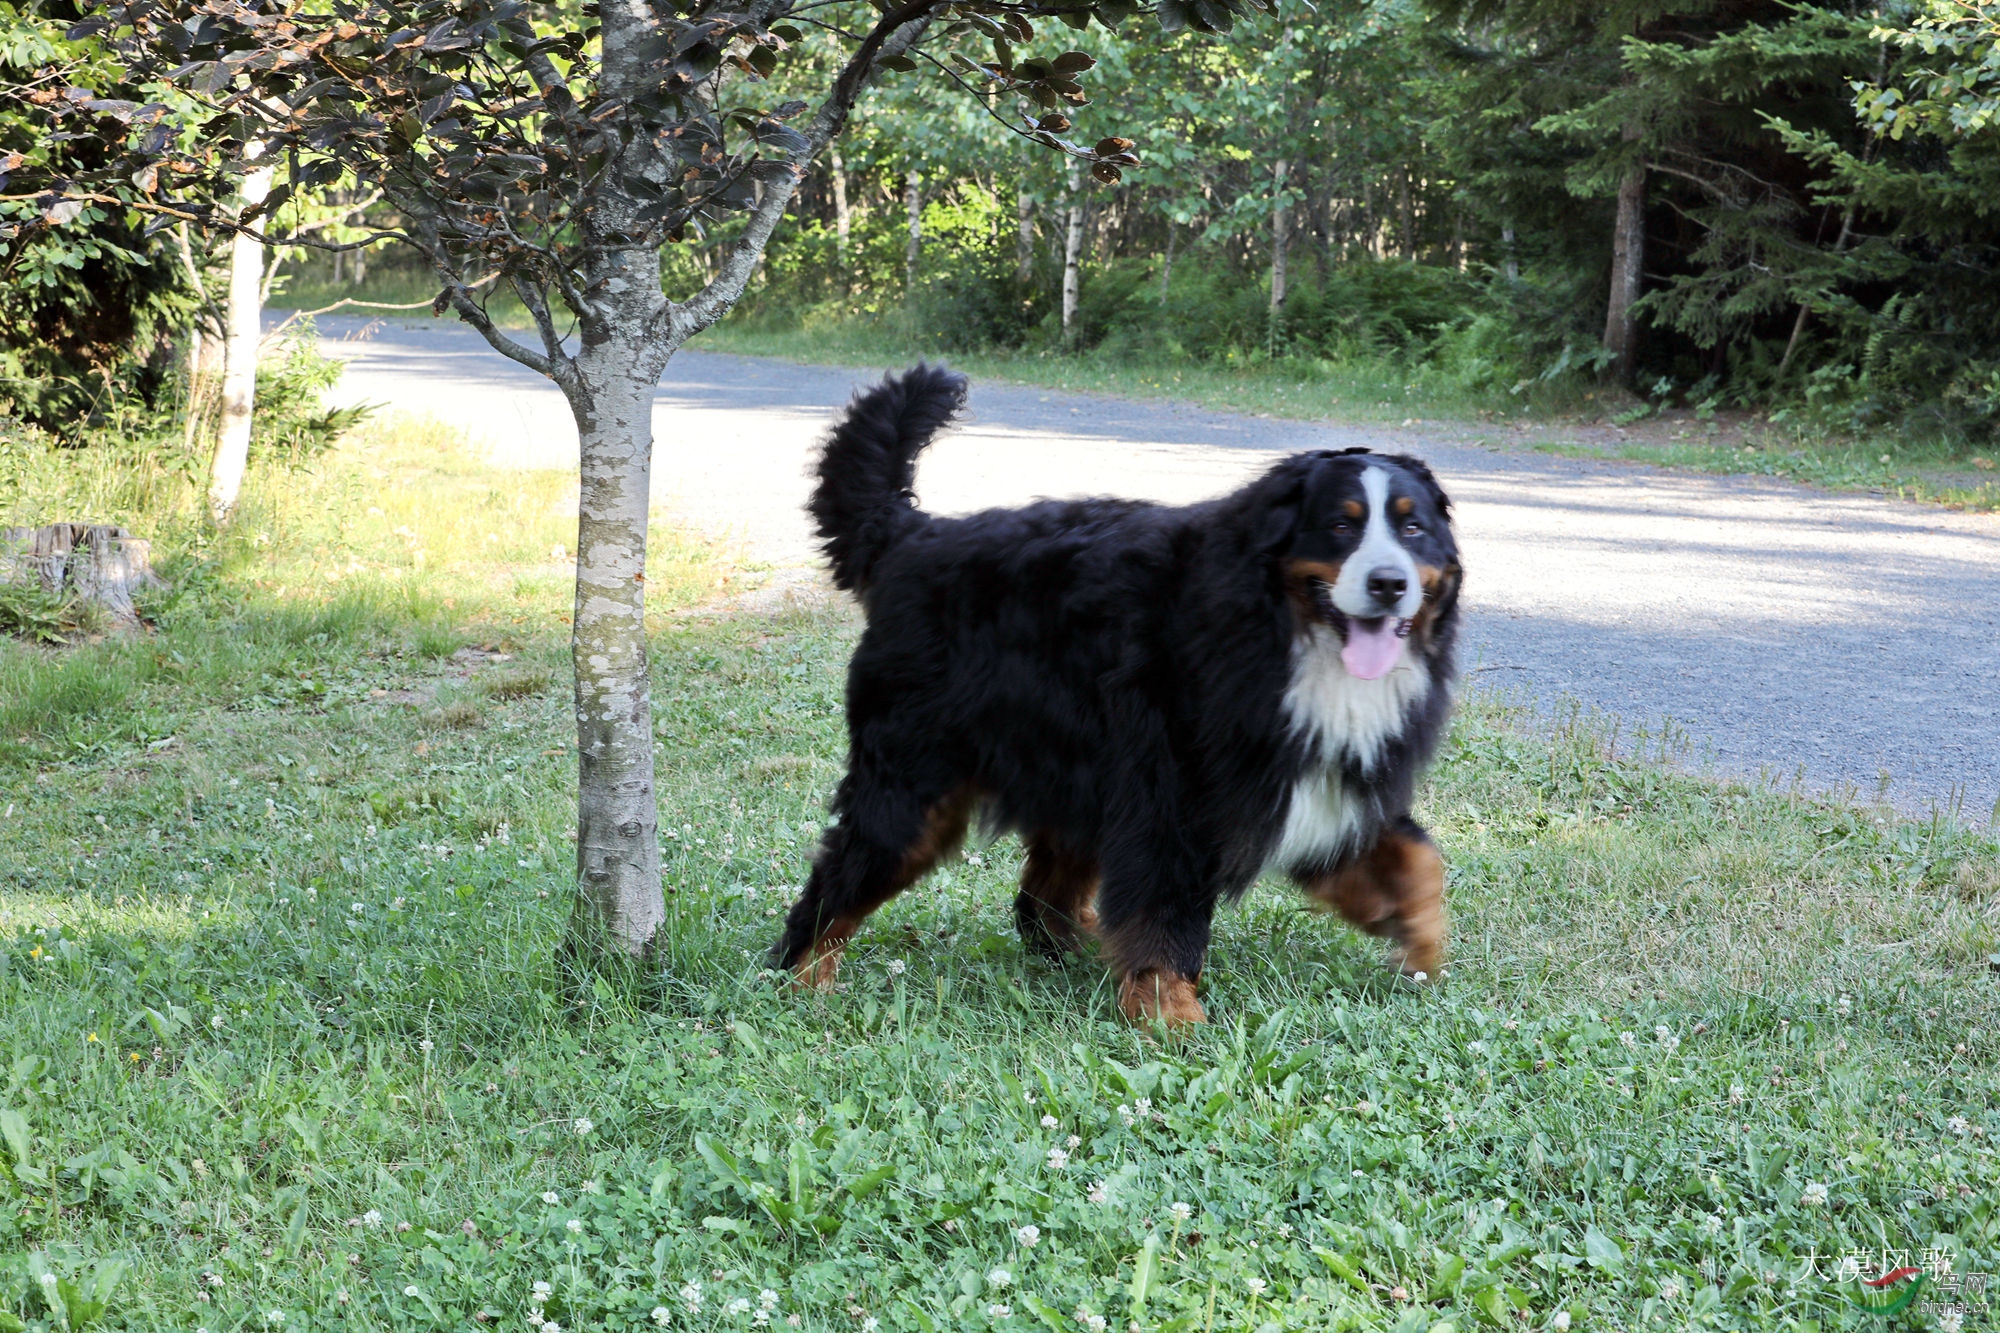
1780	207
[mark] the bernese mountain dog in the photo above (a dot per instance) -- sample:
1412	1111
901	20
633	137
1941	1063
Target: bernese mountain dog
1163	702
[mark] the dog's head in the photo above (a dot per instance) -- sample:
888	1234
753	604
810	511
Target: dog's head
1365	546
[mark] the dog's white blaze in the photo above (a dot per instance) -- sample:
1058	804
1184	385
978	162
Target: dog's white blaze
1378	547
1341	719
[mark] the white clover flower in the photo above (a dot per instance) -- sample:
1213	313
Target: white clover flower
1670	1290
1058	1160
1736	1094
1256	1286
1476	1047
1180	1212
870	1324
897	967
592	1187
551	1326
1050	1122
540	1292
1561	1320
1957	1124
1627	1040
426	1046
215	1021
767	1299
1712	1224
1028	1096
1143	1107
1095	1323
357	908
551	1198
662	1315
1814	1195
1072	1143
582	1125
575	1227
1125	1114
999	1279
740	1306
1846	1006
396	904
535	1317
274	1317
412	1291
371	1218
995	1311
1029	1236
1098	1194
1420	977
1950	1321
691	1295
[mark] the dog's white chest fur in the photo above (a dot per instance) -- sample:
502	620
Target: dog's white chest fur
1342	720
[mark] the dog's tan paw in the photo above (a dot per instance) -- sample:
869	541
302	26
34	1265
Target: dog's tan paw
1160	997
818	970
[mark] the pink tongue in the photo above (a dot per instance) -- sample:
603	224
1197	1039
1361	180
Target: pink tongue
1369	653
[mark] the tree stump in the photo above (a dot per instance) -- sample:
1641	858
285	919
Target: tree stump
90	562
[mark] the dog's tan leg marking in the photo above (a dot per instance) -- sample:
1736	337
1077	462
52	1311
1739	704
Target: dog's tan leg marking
943	831
1159	996
1058	892
820	965
1397	890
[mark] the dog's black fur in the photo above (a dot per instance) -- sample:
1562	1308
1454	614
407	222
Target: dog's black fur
1106	677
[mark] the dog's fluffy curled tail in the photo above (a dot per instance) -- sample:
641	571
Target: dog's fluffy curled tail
863	504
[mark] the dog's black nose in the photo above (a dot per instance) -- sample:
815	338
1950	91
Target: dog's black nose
1387	585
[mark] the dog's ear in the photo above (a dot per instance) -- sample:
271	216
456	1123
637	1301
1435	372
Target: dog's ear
1284	501
1417	468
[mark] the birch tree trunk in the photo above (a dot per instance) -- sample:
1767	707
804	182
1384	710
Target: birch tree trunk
239	357
1167	266
1072	283
913	202
617	829
843	220
1510	262
1628	261
1281	237
1024	237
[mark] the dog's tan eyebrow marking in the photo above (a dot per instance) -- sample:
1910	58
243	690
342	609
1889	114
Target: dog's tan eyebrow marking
1403	505
1354	508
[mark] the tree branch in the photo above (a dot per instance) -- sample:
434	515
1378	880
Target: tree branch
893	35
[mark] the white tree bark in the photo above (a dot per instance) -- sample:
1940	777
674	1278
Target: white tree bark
1280	238
843	221
913	203
1510	263
239	356
1024	236
1072	284
617	832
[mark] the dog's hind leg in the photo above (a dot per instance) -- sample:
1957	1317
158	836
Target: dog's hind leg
1056	904
884	844
1396	888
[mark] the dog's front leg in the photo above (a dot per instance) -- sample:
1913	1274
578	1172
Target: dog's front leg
1156	939
1395	888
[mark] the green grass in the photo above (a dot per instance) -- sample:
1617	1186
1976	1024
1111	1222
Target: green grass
283	1025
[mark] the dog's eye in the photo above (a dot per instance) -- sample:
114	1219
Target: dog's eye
1342	525
1413	529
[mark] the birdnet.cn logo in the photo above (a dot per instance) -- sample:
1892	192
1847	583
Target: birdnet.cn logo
1883	1284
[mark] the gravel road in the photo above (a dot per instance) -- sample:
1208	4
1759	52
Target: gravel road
1835	640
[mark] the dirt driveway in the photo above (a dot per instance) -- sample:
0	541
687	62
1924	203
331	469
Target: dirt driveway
1837	639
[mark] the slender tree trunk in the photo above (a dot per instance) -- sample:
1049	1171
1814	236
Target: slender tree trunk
1072	283
360	270
1628	261
913	202
617	831
1510	263
239	357
1799	324
1024	237
843	220
1409	215
1167	268
339	259
1370	222
1281	238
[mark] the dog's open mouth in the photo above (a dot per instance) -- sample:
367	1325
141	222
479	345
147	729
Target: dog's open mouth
1370	647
